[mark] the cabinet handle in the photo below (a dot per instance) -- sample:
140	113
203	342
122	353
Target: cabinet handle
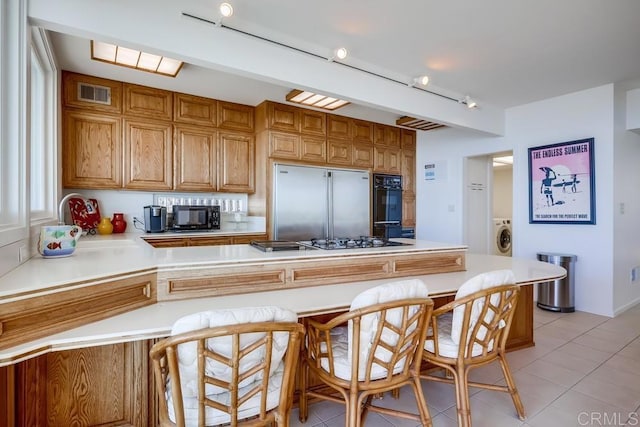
146	290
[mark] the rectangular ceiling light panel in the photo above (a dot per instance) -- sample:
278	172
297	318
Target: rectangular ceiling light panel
315	100
132	58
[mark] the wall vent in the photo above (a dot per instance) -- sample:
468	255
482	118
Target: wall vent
94	93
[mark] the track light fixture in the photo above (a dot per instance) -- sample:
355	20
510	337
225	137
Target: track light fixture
421	80
339	53
468	101
226	10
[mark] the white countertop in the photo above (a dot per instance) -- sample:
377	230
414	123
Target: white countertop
98	257
156	320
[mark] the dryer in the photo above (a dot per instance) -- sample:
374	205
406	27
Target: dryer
502	236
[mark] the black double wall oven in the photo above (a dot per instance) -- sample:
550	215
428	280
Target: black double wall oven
387	205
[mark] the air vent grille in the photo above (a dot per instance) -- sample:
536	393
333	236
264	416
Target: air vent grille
94	93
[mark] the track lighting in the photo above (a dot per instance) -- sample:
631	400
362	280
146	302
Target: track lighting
468	101
421	80
226	10
339	53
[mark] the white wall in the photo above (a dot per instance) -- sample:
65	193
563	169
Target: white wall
503	192
626	203
579	115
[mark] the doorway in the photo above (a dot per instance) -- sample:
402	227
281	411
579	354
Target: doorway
502	203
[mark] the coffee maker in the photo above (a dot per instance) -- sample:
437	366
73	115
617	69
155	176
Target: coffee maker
155	219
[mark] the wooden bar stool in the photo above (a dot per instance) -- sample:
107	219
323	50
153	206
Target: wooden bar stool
239	372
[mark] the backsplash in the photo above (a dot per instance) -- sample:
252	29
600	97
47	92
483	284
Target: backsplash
131	203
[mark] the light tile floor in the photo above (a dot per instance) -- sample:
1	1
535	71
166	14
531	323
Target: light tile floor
583	371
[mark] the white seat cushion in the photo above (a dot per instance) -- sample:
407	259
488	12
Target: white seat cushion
342	347
477	283
446	346
187	359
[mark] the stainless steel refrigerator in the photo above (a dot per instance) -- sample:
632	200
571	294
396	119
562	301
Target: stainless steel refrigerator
314	202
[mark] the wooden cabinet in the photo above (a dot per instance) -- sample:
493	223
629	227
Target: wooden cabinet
313	149
143	101
194	110
91	150
313	122
148	159
102	385
338	127
386	135
195	158
362	131
282	117
408	209
362	155
91	93
236	116
409	171
237	162
339	152
175	242
387	159
284	145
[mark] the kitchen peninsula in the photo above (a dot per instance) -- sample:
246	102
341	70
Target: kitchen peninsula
62	320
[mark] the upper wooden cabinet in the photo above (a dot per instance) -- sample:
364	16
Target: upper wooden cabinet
284	145
362	155
386	135
282	117
339	152
236	171
195	158
236	116
148	159
408	139
91	93
338	127
387	160
362	131
92	150
143	101
313	122
408	171
194	110
313	149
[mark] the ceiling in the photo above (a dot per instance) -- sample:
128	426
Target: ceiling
503	53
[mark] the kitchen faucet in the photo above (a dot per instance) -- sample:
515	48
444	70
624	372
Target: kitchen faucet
62	203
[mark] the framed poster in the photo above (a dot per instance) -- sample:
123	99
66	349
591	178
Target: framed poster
562	183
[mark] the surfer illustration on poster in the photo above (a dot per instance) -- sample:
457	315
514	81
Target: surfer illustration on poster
562	183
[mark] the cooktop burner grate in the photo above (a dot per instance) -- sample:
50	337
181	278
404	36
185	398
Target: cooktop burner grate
353	242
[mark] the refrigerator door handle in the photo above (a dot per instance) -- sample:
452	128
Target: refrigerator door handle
388	222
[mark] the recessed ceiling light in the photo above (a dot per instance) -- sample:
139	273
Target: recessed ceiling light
118	55
226	10
317	100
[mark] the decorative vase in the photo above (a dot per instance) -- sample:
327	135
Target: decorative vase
119	223
105	226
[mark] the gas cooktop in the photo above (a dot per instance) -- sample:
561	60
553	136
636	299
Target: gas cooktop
352	242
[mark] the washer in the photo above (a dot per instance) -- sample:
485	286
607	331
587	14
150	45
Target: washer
502	236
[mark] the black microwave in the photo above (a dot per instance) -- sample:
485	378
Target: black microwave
195	217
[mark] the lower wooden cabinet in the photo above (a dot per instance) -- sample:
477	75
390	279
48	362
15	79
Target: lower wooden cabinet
93	386
176	242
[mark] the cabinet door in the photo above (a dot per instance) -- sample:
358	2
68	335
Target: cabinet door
195	158
247	238
362	131
313	122
91	150
386	159
362	155
408	209
408	170
148	158
235	116
284	145
408	139
209	241
283	117
236	171
194	110
338	127
386	135
149	102
313	149
339	152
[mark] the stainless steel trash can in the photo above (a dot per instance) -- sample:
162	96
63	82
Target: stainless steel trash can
559	294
